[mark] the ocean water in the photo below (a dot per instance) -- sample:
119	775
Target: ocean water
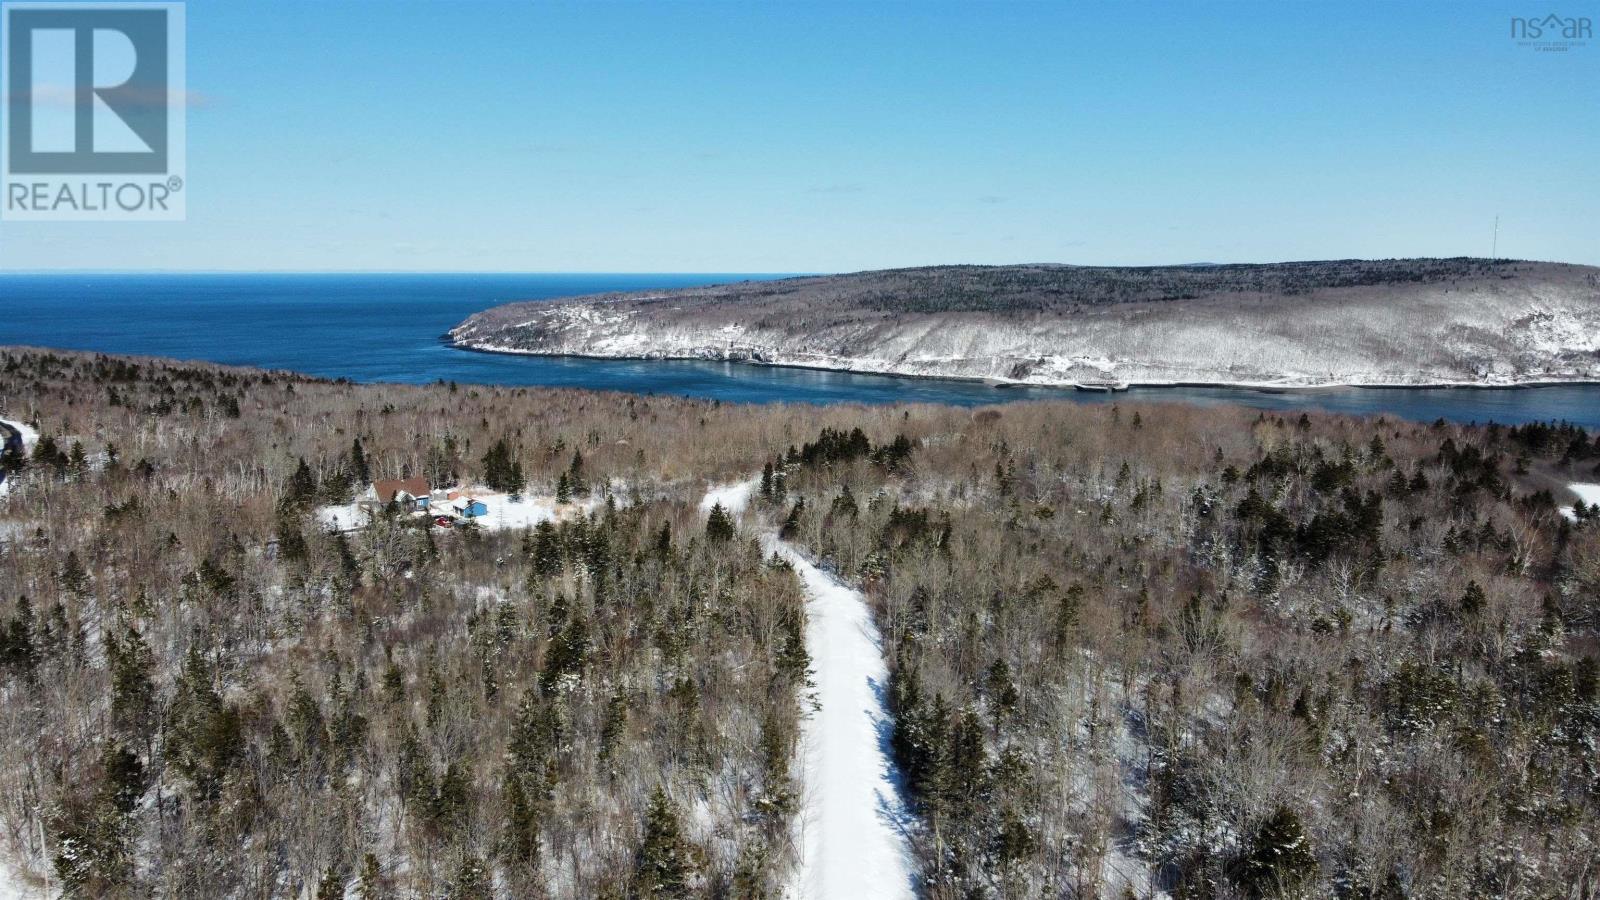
388	327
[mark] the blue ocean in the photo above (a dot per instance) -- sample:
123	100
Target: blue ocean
388	327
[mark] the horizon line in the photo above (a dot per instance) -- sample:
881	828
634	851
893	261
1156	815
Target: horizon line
748	273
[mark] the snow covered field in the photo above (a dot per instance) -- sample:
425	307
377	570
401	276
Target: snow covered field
504	512
852	821
1588	493
12	887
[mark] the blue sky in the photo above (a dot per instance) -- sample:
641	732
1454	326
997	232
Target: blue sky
788	137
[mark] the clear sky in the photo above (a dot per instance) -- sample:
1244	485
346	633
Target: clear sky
800	137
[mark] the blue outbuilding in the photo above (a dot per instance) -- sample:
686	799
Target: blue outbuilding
468	508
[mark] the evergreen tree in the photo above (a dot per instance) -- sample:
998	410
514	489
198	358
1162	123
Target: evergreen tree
291	543
206	734
665	862
501	470
19	652
568	654
124	778
47	453
471	880
791	523
522	824
664	540
73	578
546	550
616	722
576	480
360	472
331	887
1279	861
719	525
301	489
371	878
844	504
133	692
77	460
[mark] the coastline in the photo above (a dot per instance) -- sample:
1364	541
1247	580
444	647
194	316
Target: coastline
999	383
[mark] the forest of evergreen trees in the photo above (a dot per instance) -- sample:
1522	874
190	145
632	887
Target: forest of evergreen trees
1135	650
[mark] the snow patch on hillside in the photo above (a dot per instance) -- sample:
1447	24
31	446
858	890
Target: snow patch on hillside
13	886
1587	493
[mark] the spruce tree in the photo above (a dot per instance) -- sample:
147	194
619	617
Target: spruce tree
360	472
471	881
546	550
302	487
664	540
665	862
719	525
522	824
1278	861
575	475
73	578
133	692
501	471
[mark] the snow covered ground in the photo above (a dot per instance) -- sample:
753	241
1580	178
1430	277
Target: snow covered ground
528	511
853	821
342	517
1588	493
504	512
13	886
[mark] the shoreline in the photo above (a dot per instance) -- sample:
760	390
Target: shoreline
1000	384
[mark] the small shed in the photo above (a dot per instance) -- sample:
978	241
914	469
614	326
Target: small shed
468	508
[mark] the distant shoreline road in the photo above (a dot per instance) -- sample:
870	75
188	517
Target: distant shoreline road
1002	384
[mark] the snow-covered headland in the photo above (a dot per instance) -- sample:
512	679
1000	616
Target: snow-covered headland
1438	323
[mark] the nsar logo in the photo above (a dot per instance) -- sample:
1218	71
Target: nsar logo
1552	32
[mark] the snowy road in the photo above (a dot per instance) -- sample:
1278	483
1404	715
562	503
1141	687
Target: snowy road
15	431
852	828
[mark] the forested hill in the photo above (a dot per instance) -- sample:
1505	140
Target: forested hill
1407	321
1130	649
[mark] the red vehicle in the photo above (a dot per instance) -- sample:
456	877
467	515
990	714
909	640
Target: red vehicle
444	521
